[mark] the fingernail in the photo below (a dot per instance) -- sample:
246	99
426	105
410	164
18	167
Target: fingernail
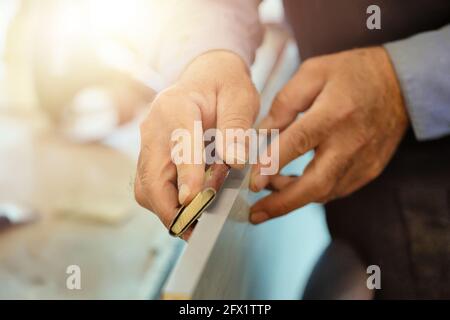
259	182
258	217
183	193
236	154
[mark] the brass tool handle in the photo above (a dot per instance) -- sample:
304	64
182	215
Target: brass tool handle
214	178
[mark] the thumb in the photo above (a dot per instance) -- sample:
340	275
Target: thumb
295	97
236	112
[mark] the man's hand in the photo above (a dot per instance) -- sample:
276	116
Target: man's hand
354	118
216	89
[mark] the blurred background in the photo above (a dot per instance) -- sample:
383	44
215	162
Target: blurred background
76	78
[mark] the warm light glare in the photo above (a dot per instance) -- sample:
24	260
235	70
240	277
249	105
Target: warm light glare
118	32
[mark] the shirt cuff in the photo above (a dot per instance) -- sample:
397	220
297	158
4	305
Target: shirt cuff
422	64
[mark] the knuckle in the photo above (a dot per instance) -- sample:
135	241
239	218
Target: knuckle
362	138
235	120
374	171
340	167
187	173
346	109
183	174
280	102
139	198
299	141
281	206
139	195
310	64
324	187
143	174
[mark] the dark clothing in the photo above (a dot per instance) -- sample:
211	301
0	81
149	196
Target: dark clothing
401	220
324	26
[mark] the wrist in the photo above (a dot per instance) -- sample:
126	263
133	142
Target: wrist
393	88
216	67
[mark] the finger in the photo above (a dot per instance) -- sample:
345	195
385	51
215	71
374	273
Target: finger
301	136
187	234
314	185
295	97
236	113
155	184
279	182
157	174
187	151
